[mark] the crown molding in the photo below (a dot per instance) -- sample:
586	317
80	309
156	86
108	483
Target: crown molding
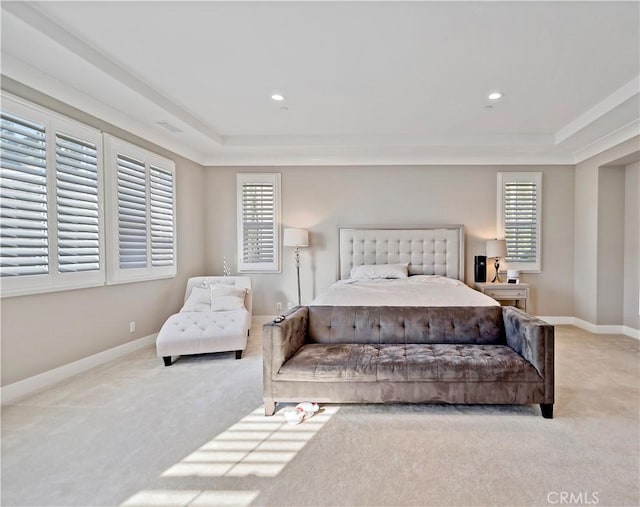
612	139
409	141
382	155
591	115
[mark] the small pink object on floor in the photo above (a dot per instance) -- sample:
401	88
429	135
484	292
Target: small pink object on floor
301	412
309	408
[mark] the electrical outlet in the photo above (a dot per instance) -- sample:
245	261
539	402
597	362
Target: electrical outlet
279	307
132	327
289	305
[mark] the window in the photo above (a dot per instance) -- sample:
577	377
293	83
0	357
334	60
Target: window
51	224
52	213
258	222
519	218
141	212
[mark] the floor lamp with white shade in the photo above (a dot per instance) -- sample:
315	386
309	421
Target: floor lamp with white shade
297	238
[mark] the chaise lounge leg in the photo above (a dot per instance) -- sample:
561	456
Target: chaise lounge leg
238	354
547	410
167	360
269	407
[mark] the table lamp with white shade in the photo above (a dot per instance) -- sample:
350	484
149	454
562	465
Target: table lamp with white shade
496	248
297	238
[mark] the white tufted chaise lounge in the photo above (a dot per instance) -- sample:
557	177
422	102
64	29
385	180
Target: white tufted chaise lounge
200	332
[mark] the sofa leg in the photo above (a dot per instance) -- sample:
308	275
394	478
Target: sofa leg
269	407
547	410
238	354
167	360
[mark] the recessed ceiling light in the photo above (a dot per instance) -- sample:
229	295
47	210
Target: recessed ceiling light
495	95
277	97
488	108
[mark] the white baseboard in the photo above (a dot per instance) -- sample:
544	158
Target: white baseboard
593	328
633	333
558	321
598	329
22	388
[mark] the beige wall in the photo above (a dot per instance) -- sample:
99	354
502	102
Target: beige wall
323	198
45	331
598	185
631	311
610	257
586	242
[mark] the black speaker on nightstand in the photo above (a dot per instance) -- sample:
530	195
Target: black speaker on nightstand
480	268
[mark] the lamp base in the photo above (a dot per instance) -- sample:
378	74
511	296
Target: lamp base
298	273
496	278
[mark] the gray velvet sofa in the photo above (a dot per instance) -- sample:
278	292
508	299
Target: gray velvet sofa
342	354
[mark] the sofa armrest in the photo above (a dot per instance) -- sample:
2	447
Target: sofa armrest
281	340
533	339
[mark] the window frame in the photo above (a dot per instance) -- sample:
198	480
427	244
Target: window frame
529	177
275	179
54	281
113	146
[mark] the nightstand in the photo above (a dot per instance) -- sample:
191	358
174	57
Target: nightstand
516	292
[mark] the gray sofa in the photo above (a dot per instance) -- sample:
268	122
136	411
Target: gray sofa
341	354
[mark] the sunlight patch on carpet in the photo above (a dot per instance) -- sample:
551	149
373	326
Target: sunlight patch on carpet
255	445
193	498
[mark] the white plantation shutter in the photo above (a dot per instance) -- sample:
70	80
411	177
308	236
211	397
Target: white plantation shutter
77	205
520	222
519	214
162	221
258	222
51	213
24	240
132	212
141	189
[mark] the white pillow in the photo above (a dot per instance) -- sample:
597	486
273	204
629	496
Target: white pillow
218	290
219	281
226	303
377	271
198	301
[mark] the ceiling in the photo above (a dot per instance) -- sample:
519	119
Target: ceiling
364	82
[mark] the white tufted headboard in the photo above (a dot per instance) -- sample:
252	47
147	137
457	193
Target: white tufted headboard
437	250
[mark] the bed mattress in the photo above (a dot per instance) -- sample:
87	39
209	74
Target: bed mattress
417	290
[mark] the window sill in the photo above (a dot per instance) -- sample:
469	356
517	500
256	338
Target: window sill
142	278
32	291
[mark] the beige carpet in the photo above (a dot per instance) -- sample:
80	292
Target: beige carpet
136	433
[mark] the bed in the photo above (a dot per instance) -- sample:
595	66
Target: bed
429	262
